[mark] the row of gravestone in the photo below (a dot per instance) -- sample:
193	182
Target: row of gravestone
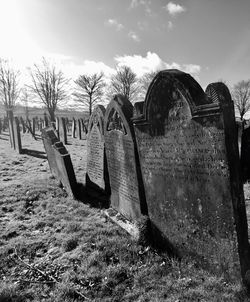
174	158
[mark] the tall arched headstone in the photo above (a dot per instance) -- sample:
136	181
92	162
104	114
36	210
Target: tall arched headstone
190	165
97	173
127	192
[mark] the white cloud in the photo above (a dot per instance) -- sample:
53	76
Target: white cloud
114	23
145	3
132	35
152	62
174	9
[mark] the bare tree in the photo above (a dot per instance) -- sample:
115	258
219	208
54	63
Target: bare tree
241	97
9	85
124	82
89	90
145	81
49	85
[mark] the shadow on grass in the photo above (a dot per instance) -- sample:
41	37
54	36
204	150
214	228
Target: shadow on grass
34	153
93	199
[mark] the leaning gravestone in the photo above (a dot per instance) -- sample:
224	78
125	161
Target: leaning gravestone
190	165
127	193
59	161
49	138
97	173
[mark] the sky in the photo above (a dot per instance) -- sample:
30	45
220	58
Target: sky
210	39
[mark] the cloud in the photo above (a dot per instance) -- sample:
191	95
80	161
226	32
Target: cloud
132	35
152	62
114	23
174	9
145	3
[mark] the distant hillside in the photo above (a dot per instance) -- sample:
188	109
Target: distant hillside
34	111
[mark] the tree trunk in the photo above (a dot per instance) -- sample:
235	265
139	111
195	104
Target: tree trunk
52	115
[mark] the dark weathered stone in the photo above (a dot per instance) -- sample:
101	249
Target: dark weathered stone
127	193
79	129
34	125
97	173
190	165
17	135
65	170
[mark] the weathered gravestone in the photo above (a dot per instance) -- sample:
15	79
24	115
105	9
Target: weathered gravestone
11	128
73	128
59	161
97	173
190	166
49	138
84	129
62	131
127	193
79	129
17	135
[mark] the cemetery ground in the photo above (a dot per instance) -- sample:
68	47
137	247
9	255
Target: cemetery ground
55	248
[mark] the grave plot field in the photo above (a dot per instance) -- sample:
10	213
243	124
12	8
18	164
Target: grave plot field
54	248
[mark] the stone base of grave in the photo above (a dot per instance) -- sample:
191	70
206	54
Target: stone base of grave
139	230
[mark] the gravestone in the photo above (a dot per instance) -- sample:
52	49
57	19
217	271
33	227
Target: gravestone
73	128
127	192
34	125
84	129
11	128
62	131
59	161
97	173
190	165
17	135
79	129
65	170
57	126
49	138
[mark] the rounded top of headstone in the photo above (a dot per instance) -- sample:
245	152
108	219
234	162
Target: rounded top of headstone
118	114
121	102
218	93
97	117
181	81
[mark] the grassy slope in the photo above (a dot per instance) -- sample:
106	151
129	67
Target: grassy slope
80	255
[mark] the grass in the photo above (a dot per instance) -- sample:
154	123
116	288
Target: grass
53	248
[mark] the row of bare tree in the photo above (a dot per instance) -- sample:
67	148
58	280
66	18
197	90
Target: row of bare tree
50	87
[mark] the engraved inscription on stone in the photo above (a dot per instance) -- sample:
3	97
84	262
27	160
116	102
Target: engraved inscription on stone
190	153
95	156
122	171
